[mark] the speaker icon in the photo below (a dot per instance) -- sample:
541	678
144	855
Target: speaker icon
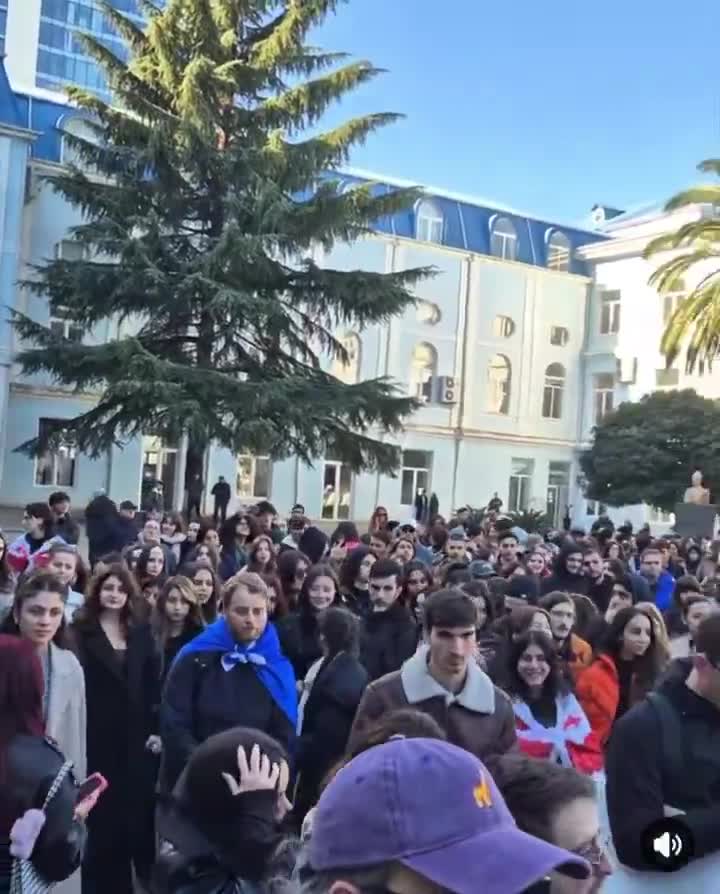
668	844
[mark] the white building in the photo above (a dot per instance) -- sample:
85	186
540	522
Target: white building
522	351
627	318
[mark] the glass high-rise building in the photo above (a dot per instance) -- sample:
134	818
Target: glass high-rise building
41	43
3	23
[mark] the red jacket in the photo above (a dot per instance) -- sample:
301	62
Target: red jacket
598	691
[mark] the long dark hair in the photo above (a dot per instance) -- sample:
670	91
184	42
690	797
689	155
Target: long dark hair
350	568
252	564
308	616
408	569
648	667
40	582
271	580
555	683
340	629
90	612
21	700
141	571
208	609
228	537
287	564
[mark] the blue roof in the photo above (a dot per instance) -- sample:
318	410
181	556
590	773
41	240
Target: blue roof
467	223
9	109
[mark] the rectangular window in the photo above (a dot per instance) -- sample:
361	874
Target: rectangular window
603	395
56	467
337	490
667	378
610	312
552	397
416	466
672	300
559	336
520	484
61	325
557	492
253	477
595	508
659	516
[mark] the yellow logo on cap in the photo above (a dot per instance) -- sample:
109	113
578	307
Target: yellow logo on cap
482	793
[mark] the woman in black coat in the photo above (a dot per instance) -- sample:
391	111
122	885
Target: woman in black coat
121	669
299	632
328	707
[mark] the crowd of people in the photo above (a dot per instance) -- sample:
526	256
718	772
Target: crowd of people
452	706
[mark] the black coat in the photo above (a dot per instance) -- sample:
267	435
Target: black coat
300	640
600	591
122	706
642	777
388	639
201	699
327	721
101	517
68	529
32	765
234	851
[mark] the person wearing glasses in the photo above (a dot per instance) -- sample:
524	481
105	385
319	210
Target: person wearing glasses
663	761
559	805
572	649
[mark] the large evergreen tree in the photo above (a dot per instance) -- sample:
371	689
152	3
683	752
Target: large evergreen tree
207	188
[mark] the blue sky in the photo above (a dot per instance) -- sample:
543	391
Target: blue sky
548	106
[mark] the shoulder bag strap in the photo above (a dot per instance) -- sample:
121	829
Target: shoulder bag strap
57	782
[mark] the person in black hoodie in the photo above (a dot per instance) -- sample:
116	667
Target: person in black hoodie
567	576
220	829
327	714
389	633
299	631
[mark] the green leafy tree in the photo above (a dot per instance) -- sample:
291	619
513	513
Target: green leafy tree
207	187
696	321
645	452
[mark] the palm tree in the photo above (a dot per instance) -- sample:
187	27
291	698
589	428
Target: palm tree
697	318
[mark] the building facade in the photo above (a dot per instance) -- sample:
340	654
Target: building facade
41	44
525	337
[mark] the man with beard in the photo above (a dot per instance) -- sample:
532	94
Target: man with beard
389	634
599	584
573	650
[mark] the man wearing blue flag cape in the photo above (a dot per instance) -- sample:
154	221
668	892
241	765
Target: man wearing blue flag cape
231	674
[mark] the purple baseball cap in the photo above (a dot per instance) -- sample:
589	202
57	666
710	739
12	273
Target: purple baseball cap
433	808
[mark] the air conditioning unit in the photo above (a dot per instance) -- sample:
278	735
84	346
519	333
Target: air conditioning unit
627	370
448	390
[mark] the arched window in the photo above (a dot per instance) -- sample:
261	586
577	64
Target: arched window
499	382
422	368
503	239
429	222
553	391
558	251
349	372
